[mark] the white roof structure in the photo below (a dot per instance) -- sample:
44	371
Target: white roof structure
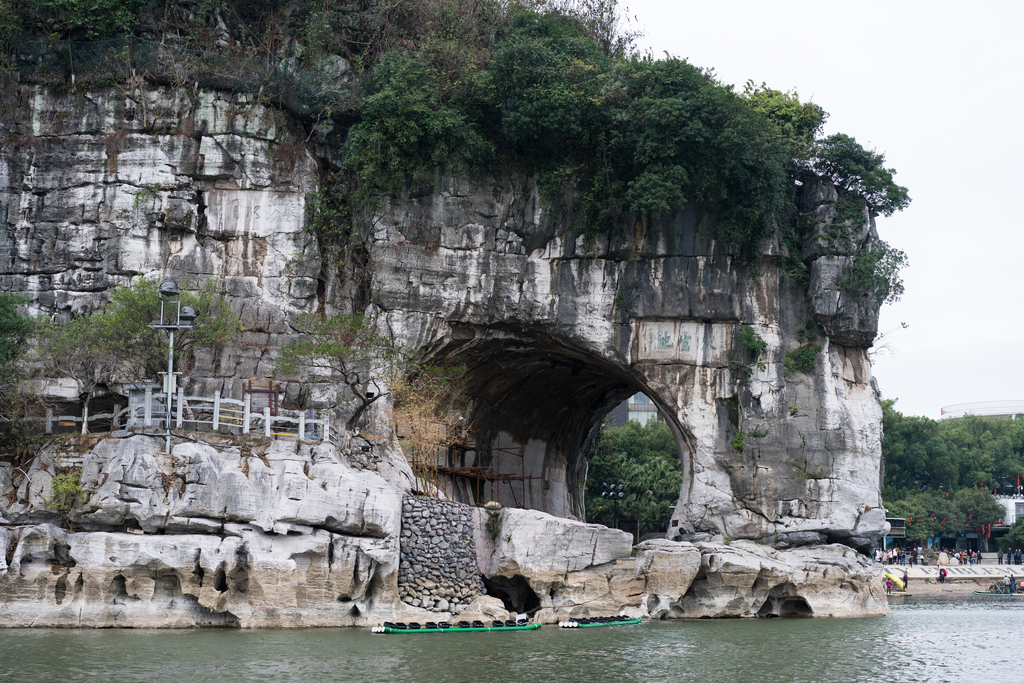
984	409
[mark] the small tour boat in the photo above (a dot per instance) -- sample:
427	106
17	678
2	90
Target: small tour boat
1005	595
461	627
599	621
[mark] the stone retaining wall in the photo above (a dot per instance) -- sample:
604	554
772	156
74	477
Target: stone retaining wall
438	569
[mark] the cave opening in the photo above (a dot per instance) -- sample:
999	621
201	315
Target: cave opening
534	406
515	593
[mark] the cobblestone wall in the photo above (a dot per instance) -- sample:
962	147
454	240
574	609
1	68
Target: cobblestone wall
438	569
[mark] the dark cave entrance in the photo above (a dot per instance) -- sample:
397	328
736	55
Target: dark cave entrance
534	407
515	593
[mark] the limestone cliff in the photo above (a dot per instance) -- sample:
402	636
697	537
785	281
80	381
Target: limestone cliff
554	329
283	535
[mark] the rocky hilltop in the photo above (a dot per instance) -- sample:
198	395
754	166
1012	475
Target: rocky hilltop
780	452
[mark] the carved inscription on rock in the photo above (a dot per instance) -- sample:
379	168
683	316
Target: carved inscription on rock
685	341
254	212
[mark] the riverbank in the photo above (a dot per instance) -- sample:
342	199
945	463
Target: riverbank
951	588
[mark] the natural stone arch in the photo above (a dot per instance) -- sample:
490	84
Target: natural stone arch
546	397
660	304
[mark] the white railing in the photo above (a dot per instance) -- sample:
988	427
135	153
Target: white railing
226	413
221	414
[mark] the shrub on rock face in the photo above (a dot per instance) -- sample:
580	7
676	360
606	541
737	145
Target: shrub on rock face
66	494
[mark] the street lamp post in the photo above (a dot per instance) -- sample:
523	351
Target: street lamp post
182	319
615	493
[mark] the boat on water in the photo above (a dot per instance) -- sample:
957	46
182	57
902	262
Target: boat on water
461	627
599	621
1005	595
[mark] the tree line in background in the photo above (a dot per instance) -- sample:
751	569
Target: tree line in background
644	458
941	475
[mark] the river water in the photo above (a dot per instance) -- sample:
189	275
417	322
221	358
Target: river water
935	640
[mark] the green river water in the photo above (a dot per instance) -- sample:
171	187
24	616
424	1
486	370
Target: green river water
954	640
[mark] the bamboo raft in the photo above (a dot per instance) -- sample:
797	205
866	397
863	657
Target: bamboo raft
598	621
461	627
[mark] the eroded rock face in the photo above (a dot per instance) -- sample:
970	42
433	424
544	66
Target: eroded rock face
745	579
669	579
190	548
285	487
554	329
246	578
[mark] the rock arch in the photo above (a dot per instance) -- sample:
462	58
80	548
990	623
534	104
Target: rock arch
479	271
537	402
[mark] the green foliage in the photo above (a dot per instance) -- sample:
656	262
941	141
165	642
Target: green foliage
876	272
547	95
545	88
803	472
737	442
493	523
10	27
754	343
798	124
644	458
1014	538
82	18
802	359
947	469
634	134
406	132
146	193
921	453
17	399
66	494
807	333
117	341
861	173
15	328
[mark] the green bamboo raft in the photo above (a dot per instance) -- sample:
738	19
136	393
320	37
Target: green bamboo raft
592	623
443	627
1005	595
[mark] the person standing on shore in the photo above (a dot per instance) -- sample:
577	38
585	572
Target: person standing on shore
906	581
999	556
888	586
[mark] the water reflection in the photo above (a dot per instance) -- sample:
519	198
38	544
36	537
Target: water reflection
951	640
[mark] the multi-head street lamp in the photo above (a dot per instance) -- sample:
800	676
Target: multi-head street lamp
173	316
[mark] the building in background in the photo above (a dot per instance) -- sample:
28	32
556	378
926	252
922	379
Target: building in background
638	408
984	409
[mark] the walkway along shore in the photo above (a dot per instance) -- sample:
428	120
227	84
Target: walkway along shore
983	571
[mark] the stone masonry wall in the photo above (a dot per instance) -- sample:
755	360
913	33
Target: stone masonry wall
438	569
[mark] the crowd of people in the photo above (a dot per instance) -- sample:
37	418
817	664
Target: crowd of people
912	556
900	556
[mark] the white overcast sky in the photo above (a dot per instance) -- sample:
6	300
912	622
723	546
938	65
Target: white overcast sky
938	87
